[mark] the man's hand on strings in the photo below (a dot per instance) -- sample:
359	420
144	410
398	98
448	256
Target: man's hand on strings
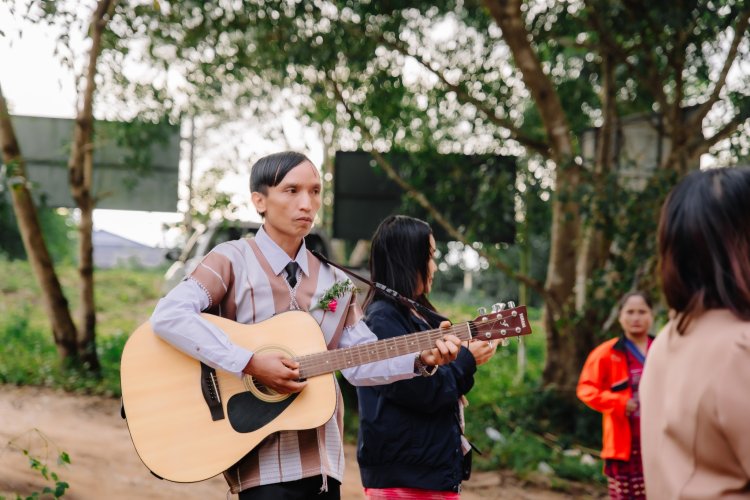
276	372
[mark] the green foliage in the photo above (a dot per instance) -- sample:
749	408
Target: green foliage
57	228
209	203
488	284
483	208
125	298
328	300
56	486
519	426
29	357
60	234
529	424
11	245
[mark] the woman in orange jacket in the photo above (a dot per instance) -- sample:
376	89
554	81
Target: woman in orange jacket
609	384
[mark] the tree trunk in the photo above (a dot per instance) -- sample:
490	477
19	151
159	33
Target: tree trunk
595	242
63	328
80	171
524	267
87	336
561	368
80	175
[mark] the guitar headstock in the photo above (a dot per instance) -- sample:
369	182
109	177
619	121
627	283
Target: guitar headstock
504	321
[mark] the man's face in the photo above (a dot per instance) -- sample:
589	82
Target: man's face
290	207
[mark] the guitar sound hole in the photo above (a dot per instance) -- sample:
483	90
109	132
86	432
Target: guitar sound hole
263	389
259	389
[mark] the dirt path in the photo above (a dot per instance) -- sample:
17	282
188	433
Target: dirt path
105	465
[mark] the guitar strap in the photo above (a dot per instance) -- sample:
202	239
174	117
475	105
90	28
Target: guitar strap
388	292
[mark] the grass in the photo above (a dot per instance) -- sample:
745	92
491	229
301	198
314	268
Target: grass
124	299
510	418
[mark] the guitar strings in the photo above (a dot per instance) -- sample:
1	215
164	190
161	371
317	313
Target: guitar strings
330	361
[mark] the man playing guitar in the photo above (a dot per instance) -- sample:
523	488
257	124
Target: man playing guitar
251	280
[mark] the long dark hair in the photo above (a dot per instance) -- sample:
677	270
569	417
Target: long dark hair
704	244
400	257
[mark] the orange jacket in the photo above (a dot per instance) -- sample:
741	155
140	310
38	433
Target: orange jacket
604	387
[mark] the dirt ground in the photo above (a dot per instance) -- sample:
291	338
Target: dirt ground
104	463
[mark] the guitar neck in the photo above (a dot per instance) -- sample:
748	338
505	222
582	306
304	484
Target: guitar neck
321	363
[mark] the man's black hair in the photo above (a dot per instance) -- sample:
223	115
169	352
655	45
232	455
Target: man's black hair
270	170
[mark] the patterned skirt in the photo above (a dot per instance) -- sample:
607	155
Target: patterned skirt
409	494
625	478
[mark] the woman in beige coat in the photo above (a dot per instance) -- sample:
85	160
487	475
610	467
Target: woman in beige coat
695	390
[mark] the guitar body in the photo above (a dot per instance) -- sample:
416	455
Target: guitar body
170	422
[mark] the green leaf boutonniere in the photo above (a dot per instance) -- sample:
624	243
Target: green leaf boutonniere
328	302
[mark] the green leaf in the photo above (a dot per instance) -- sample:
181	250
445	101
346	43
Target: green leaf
60	488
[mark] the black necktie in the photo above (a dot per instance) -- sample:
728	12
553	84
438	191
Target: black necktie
291	273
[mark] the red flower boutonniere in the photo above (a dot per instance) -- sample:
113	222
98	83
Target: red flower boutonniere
328	301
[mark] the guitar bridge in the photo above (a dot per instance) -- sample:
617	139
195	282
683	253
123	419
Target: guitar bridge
211	394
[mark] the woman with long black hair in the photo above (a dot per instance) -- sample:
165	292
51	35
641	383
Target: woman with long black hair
411	442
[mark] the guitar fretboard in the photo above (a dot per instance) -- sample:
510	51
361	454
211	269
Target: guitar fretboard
320	363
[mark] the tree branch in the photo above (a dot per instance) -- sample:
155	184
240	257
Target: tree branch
422	200
80	168
650	79
507	14
677	62
739	34
561	272
535	145
703	146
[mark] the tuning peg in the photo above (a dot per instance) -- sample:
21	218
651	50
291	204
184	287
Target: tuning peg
497	307
505	342
482	311
511	304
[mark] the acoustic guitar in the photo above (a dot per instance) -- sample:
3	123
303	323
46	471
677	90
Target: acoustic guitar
189	422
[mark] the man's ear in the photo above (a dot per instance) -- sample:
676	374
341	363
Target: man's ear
259	200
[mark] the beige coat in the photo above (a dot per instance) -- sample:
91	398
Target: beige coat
695	410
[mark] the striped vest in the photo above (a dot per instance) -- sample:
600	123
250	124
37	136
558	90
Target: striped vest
242	287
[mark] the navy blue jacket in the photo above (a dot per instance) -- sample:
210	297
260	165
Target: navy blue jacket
409	435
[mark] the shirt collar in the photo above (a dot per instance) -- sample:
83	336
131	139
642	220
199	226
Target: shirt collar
278	258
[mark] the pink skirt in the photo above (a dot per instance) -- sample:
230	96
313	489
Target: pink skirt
409	494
